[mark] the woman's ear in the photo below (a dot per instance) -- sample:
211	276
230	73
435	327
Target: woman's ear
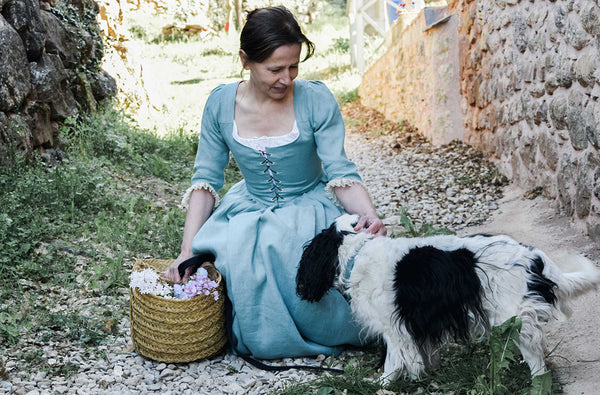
244	59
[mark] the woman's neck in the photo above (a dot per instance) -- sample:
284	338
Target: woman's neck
260	115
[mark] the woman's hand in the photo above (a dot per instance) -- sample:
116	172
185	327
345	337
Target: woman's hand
356	200
172	273
200	207
371	224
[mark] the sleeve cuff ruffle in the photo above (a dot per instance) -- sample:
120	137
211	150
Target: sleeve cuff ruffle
340	182
185	201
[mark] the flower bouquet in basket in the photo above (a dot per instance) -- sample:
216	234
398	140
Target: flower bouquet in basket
180	322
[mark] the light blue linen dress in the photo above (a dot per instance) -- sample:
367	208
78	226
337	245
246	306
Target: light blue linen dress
258	230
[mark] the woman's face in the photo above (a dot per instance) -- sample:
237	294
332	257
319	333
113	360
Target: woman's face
273	77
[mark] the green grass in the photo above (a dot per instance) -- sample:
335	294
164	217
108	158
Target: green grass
70	228
491	367
423	230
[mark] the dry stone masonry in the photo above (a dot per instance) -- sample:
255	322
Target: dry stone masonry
529	88
50	51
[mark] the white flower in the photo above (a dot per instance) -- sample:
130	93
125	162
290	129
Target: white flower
147	281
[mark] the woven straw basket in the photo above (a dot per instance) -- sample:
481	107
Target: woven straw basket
177	330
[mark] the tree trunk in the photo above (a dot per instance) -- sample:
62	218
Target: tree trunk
238	14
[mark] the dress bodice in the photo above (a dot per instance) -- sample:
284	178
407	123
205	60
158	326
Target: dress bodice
281	172
276	173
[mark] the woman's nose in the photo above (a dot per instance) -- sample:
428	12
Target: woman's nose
286	77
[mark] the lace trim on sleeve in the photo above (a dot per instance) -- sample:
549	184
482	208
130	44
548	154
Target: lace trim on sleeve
185	201
339	182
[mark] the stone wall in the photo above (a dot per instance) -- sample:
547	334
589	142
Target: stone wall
50	51
529	95
530	87
418	78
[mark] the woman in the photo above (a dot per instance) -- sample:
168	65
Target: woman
287	137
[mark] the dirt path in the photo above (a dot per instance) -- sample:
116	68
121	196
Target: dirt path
575	361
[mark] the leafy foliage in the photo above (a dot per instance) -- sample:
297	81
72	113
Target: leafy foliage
71	226
491	368
426	229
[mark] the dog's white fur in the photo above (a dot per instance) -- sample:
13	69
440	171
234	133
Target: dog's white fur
502	264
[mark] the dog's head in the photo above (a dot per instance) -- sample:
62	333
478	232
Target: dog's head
319	265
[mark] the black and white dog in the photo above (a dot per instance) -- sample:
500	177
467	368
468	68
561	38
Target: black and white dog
417	293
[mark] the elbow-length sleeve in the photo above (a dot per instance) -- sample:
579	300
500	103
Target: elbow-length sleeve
213	154
329	132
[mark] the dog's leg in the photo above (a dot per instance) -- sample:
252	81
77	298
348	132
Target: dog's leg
532	339
403	357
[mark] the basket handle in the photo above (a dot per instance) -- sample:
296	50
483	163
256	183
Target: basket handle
195	262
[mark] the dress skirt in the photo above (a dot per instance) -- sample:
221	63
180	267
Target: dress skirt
258	246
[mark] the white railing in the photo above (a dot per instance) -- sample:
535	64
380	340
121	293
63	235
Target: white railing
379	15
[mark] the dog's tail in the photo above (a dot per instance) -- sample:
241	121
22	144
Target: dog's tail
584	278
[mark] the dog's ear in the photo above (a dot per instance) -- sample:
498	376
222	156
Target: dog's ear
319	265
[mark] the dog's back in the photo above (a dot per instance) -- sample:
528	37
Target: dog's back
416	292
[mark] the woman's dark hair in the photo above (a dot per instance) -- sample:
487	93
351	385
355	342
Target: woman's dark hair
269	28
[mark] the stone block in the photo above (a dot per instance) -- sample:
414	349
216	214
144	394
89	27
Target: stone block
560	19
577	122
590	19
564	183
597	183
536	18
585	68
592	116
520	32
565	72
558	111
537	90
549	150
593	229
575	35
584	185
540	112
527	152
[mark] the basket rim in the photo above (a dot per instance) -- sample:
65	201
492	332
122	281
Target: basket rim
213	268
173	299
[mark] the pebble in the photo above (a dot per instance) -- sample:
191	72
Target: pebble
450	186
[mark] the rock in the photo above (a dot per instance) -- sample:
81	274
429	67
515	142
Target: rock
60	41
49	78
25	17
14	71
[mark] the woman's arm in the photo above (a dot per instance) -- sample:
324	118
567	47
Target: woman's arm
356	200
200	207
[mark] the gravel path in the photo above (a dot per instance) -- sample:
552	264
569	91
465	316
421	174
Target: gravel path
450	186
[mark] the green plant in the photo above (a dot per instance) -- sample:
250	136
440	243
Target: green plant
425	229
341	45
73	327
110	277
9	329
504	353
348	96
489	367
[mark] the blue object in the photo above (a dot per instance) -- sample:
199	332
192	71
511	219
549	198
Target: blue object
393	11
258	231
